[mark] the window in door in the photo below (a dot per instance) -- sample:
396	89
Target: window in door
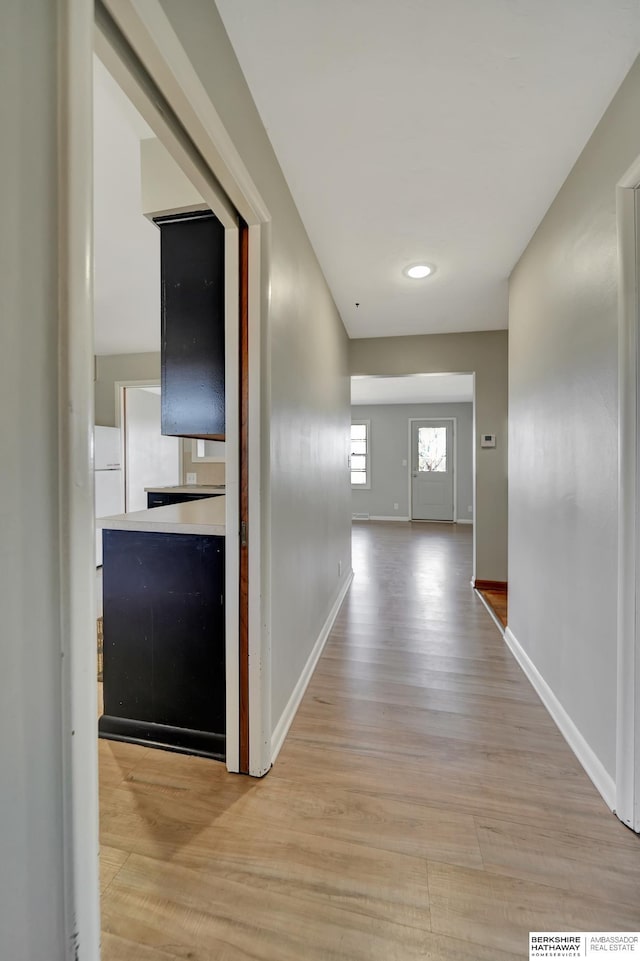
432	449
432	484
360	455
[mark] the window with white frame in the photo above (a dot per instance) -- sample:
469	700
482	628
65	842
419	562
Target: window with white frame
360	455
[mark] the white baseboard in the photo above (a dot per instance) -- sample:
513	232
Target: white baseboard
383	517
464	520
287	716
600	777
403	518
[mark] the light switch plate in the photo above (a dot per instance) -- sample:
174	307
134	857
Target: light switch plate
192	478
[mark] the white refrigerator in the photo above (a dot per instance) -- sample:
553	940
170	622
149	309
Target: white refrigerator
109	484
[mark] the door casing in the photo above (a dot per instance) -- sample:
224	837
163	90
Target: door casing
121	422
454	444
627	777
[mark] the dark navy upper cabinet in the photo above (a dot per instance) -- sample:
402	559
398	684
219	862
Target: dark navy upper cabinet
193	276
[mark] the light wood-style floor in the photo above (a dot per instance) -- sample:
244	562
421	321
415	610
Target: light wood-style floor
424	805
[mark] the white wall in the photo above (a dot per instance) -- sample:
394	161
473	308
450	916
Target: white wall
563	433
127	245
306	408
389	439
31	714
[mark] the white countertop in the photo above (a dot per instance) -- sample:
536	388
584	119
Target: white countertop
206	516
188	489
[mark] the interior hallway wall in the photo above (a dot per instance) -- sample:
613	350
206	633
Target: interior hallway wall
389	447
563	403
485	353
32	829
306	390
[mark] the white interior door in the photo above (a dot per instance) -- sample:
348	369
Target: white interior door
151	460
432	470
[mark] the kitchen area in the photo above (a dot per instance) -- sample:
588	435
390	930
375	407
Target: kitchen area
163	567
160	479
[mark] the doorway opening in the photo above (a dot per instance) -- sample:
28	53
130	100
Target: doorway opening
412	454
413	457
149	457
139	182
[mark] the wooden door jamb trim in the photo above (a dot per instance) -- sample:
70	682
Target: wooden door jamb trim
245	533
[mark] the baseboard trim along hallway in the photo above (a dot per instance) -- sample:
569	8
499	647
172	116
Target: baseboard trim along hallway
600	777
287	716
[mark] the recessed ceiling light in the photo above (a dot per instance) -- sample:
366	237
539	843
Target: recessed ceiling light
418	271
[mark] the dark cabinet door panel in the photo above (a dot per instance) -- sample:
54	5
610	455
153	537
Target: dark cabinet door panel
164	651
192	339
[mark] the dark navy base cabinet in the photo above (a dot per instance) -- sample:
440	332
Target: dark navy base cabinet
163	498
164	655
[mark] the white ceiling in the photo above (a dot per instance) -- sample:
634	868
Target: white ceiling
428	130
414	389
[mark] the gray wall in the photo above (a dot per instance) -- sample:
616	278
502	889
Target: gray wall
31	721
563	433
390	446
111	368
484	353
306	398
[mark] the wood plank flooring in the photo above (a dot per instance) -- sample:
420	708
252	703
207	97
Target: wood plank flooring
498	601
424	805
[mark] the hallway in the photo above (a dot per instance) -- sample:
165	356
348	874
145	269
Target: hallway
424	806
